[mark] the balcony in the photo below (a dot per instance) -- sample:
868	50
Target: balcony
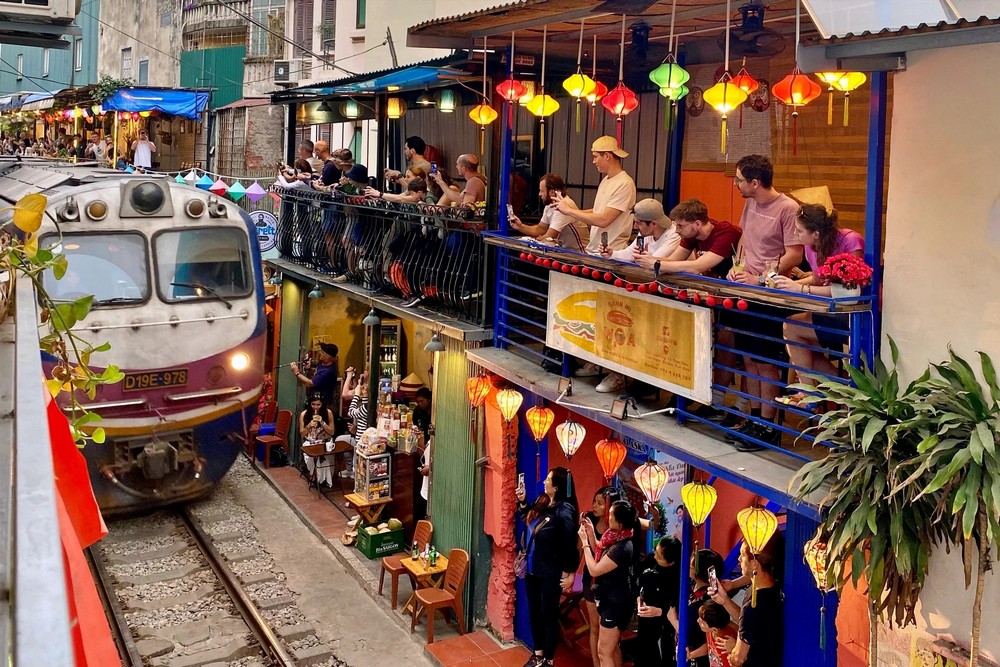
209	18
429	256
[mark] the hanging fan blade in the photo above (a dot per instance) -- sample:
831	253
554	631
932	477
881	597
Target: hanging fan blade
630	7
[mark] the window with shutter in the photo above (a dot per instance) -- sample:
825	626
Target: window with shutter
303	27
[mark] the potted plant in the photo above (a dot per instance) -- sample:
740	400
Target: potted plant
870	531
846	274
960	423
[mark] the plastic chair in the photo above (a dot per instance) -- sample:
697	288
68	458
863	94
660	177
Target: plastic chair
267	417
394	564
282	426
449	597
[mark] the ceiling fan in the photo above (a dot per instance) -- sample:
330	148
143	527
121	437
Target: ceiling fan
630	7
750	38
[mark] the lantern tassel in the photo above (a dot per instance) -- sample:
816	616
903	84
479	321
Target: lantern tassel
618	133
795	133
847	101
695	552
741	116
482	139
822	628
510	114
753	590
541	139
578	116
722	137
593	116
829	108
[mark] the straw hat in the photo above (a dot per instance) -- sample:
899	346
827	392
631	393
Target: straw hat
410	384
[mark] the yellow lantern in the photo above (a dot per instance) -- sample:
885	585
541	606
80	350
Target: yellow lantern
570	435
829	78
483	115
724	97
848	82
539	421
816	556
509	401
699	500
478	389
651	478
395	107
758	525
542	105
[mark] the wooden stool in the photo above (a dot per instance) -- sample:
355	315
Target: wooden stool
394	566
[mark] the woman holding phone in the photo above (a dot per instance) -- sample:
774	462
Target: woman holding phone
552	559
315	426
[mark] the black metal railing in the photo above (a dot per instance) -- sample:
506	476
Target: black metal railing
431	256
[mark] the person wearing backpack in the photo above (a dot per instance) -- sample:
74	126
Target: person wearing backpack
610	562
552	559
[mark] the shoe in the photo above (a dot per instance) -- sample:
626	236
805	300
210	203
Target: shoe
612	383
469	296
712	414
588	370
342	278
640	390
740	430
550	366
732	420
534	661
412	302
767	434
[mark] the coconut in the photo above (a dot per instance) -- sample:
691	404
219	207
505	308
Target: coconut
395	524
383	525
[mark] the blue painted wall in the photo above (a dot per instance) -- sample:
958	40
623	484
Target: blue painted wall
61	74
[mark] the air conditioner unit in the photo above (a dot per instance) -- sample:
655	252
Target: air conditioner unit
292	71
40	11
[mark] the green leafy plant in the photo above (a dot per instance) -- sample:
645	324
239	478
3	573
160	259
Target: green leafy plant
960	423
108	85
870	531
21	256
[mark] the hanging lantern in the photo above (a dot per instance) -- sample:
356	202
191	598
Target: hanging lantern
511	90
483	114
529	93
746	83
699	500
611	455
621	101
670	77
816	555
850	81
478	388
395	107
579	85
509	401
447	100
651	478
758	526
796	90
350	110
570	435
599	91
539	421
724	97
542	105
829	78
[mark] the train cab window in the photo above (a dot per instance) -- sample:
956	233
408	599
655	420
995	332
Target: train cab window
113	267
202	263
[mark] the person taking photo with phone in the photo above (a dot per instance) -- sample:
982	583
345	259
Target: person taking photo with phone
657	237
569	232
552	559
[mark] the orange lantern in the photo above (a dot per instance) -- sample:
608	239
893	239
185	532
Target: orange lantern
796	90
478	389
746	83
539	421
758	525
395	107
611	455
511	90
651	478
816	557
599	91
848	82
509	402
829	78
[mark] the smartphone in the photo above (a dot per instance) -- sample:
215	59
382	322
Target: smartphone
510	211
373	182
640	243
604	239
642	596
520	480
434	167
713	581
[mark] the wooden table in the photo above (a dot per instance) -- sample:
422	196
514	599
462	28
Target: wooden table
425	577
370	511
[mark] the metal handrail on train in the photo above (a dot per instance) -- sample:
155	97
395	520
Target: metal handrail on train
33	579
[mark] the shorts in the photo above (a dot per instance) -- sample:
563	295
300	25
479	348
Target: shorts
751	329
615	613
829	339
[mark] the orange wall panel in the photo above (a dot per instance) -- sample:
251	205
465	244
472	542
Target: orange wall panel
716	189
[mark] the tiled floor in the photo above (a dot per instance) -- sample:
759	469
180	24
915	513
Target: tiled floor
481	650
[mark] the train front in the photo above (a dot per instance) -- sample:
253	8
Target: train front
176	278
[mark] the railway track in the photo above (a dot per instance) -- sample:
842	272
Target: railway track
192	587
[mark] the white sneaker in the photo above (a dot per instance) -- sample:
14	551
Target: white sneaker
612	383
589	369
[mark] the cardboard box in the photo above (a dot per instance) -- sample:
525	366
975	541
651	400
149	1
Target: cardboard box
380	544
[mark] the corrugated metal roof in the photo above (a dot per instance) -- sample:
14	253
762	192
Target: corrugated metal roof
922	29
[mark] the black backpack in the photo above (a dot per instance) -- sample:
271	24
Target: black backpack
279	458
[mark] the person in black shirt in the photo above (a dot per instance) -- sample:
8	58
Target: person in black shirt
761	634
659	586
552	559
422	413
610	563
324	381
697	648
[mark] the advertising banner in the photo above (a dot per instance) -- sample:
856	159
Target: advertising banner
664	343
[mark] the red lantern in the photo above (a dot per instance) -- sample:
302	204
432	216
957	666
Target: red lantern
796	90
478	388
511	90
539	421
747	84
611	455
621	101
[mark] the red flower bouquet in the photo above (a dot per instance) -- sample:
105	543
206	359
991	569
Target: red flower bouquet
846	269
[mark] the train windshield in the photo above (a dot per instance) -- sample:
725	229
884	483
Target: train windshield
202	263
111	266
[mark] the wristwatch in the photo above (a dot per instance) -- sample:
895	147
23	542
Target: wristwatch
761	281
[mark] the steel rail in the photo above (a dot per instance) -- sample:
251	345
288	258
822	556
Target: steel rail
269	642
127	650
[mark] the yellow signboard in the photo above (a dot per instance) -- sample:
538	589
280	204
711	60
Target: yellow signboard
664	343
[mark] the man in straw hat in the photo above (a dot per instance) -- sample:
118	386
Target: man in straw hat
611	215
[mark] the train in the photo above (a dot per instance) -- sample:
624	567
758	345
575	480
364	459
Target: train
176	276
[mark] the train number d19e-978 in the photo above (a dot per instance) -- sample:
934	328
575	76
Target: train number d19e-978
155	379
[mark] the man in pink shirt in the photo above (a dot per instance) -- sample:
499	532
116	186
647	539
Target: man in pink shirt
769	235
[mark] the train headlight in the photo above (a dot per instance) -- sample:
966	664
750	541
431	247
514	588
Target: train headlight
240	361
147	198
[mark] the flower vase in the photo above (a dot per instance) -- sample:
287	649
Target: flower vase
838	291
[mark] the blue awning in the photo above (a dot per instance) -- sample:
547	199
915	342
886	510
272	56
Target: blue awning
37	101
183	103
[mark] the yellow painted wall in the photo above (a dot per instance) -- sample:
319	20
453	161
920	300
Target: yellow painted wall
337	319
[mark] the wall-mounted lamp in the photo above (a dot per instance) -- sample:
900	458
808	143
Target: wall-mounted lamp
434	344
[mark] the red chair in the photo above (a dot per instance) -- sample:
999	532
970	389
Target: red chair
449	597
393	564
281	429
267	417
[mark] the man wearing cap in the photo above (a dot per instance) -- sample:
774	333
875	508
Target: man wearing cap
656	231
612	211
324	380
467	166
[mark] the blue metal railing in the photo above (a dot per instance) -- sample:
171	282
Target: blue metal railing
751	359
433	254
